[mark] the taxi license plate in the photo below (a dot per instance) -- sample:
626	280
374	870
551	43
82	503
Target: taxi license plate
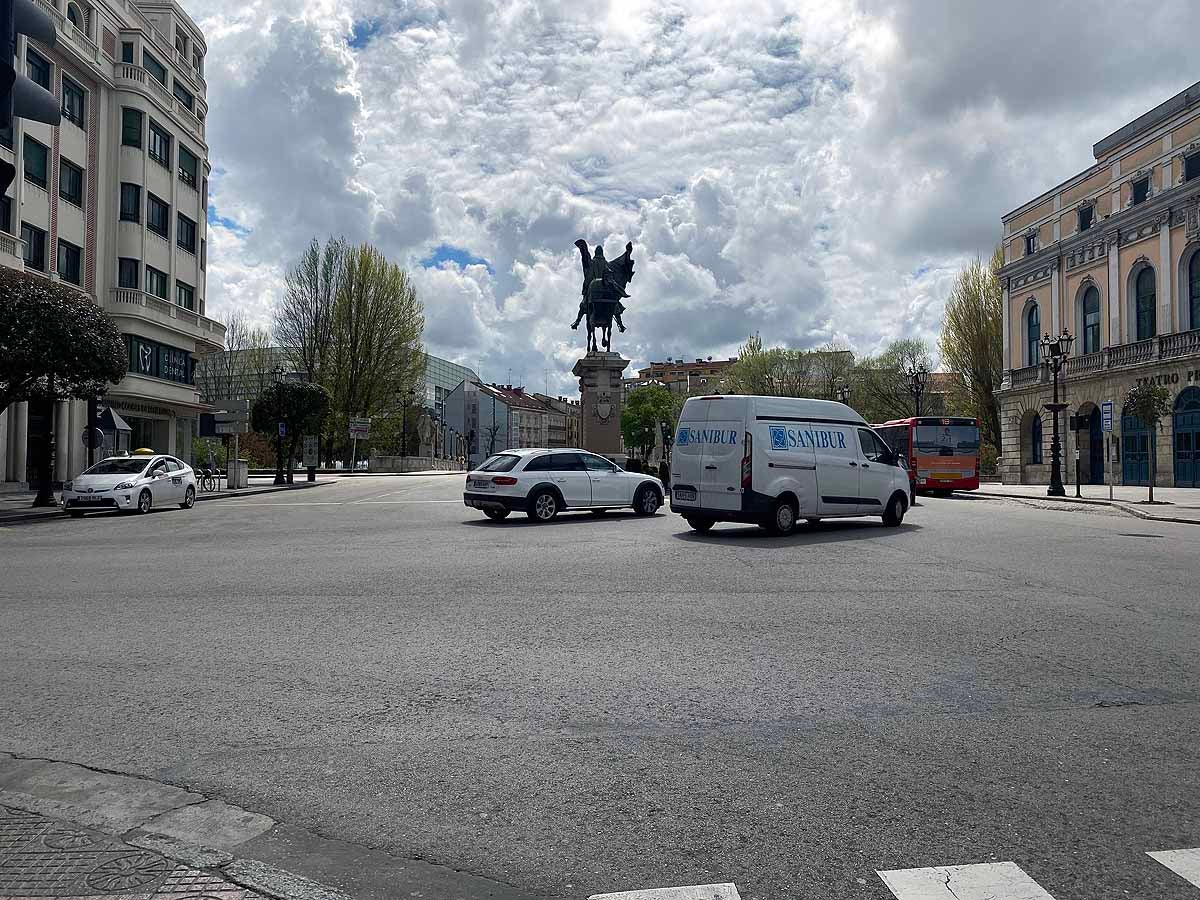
684	494
89	498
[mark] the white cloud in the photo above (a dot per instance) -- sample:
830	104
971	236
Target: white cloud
811	171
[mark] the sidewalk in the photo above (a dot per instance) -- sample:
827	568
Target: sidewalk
15	507
1180	505
71	831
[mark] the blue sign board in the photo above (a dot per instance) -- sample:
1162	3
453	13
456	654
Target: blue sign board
1106	415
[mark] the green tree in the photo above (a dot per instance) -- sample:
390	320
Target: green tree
55	343
770	371
645	410
972	341
300	406
879	389
1151	403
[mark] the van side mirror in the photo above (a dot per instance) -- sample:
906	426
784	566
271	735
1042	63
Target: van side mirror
902	461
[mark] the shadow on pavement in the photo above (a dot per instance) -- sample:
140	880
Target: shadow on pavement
825	533
580	517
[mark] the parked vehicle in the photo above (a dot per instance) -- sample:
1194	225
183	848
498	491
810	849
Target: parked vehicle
542	483
775	460
139	482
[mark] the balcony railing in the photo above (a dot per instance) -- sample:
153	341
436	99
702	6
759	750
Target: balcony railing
81	41
12	245
1165	346
126	299
139	76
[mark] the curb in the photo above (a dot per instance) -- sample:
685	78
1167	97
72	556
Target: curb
248	849
1121	505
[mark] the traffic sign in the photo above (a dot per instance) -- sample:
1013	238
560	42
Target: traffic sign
360	429
228	428
1106	415
282	429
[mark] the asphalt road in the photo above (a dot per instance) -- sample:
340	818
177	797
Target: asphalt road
609	703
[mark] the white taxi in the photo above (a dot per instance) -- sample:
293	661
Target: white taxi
138	482
543	482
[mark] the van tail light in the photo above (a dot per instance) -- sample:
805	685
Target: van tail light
503	479
748	462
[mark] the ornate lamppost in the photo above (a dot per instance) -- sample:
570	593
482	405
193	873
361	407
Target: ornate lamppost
918	379
1055	351
843	393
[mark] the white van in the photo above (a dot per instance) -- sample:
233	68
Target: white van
774	460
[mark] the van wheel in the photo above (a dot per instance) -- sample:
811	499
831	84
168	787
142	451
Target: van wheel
543	506
894	514
700	525
783	518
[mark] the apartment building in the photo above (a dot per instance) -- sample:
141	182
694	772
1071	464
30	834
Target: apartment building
113	201
1111	255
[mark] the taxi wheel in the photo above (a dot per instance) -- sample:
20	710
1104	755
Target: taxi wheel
543	506
145	501
496	514
189	498
75	513
646	502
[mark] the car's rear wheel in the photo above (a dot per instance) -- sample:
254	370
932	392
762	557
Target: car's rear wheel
145	501
543	506
894	514
496	514
700	525
646	502
189	498
783	518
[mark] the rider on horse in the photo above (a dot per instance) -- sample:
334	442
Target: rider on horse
603	289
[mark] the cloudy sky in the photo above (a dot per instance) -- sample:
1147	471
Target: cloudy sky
813	171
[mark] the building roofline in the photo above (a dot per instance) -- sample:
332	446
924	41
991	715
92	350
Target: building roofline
1161	113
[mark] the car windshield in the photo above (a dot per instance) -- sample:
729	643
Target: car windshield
117	467
504	462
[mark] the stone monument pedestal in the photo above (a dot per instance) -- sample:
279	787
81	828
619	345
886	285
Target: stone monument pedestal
601	393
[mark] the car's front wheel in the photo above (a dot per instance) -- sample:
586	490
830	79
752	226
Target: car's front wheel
496	514
647	501
543	506
145	501
189	498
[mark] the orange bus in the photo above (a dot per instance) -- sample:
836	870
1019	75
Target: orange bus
942	451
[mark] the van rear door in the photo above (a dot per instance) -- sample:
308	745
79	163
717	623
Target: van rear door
721	477
687	456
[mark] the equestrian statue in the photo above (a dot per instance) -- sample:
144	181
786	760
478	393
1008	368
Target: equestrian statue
604	283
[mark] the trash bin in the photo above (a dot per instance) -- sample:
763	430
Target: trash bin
238	474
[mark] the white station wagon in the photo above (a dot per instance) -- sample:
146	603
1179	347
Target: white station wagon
138	482
543	482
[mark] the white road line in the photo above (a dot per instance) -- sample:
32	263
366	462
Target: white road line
1184	863
726	891
982	881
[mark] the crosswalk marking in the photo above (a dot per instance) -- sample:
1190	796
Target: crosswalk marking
1184	863
981	881
691	892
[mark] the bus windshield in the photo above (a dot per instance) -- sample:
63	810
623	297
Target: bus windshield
947	440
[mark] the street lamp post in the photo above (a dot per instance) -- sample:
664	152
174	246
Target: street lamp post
918	380
843	393
409	396
279	479
1055	351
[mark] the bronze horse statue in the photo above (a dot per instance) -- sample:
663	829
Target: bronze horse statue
604	285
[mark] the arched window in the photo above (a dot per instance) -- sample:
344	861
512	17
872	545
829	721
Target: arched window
1091	321
73	15
1033	326
1144	308
1194	289
1035	441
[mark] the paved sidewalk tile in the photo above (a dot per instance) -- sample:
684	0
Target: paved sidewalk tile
42	857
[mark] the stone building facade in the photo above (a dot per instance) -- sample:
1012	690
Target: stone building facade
1112	255
113	201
